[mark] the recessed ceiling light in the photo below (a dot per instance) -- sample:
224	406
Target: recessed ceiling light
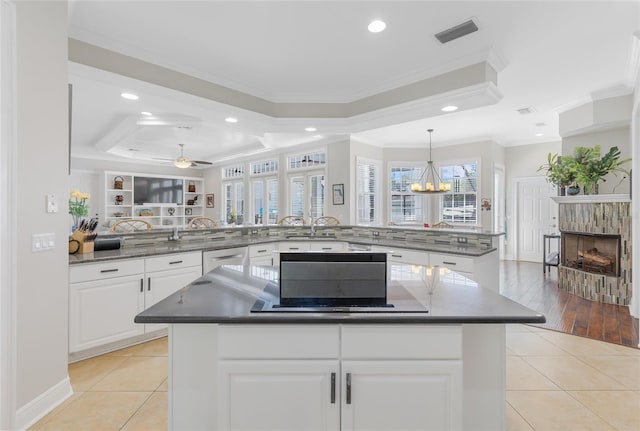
310	129
231	120
146	113
539	134
449	108
377	26
129	96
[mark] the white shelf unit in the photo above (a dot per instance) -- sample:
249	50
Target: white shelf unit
158	214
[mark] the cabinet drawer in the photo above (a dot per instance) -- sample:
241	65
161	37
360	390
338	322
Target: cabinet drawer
173	261
262	249
453	262
328	246
278	341
401	342
104	270
293	246
403	255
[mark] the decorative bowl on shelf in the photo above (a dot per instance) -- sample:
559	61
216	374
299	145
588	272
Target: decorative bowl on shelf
118	214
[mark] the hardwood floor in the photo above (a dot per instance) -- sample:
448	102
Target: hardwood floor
525	283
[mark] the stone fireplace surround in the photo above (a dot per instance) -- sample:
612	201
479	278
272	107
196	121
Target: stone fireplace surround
598	214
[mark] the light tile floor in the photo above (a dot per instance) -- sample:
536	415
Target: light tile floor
555	381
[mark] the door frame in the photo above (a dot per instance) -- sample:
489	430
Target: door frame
8	214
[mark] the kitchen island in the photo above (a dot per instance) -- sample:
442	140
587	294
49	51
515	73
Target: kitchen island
434	361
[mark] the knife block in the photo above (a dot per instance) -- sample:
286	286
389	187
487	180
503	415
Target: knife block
81	237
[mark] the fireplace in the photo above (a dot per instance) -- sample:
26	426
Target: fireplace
595	250
595	253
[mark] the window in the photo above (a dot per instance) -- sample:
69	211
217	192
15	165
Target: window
234	202
264	186
306	193
306	183
307	160
265	201
233	194
367	183
406	207
460	205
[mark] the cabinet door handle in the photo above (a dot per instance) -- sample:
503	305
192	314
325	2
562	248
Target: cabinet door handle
148	284
333	388
448	263
109	270
348	388
175	262
326	248
262	251
141	285
294	248
396	255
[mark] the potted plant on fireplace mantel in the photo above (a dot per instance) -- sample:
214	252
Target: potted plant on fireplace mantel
561	172
585	168
591	168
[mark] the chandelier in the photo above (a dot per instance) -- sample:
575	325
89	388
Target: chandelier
430	181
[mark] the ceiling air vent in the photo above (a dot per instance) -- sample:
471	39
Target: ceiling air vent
456	32
525	111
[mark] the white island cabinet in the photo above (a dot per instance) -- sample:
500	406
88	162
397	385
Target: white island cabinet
316	377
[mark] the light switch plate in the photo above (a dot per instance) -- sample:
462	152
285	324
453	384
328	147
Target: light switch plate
52	203
43	241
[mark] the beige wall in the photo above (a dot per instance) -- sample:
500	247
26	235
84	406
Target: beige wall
620	137
42	167
340	171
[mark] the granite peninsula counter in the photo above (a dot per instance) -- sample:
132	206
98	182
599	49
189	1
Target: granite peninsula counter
439	366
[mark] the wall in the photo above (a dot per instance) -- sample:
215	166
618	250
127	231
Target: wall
522	161
42	167
340	171
620	137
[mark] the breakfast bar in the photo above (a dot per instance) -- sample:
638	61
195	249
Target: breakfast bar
434	359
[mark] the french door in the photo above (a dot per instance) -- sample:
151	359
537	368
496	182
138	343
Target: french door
306	194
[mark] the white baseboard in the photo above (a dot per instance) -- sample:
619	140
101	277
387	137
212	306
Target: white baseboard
37	408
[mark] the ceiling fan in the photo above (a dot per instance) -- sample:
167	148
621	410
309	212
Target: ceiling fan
184	162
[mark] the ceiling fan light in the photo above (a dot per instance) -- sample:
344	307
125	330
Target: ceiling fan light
182	162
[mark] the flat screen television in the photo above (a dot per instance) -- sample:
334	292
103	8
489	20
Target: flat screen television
149	190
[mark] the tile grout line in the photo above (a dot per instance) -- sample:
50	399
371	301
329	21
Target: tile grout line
137	410
520	414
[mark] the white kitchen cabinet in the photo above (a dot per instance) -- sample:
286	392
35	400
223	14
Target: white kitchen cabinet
294	246
168	274
227	256
105	297
329	246
401	395
264	254
316	377
103	300
279	395
403	255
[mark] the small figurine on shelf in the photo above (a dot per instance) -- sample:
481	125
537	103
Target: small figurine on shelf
119	199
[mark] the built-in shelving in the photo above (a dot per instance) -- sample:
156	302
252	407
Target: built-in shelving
119	203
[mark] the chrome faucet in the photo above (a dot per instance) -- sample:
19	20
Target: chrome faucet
312	225
175	235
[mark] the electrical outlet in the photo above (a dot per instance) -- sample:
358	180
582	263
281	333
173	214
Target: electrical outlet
254	232
462	240
375	233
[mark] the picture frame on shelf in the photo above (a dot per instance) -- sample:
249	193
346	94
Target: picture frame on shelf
210	200
338	194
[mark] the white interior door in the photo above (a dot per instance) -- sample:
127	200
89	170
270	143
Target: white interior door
499	201
537	215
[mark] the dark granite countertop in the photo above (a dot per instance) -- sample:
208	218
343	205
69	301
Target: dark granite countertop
160	247
227	295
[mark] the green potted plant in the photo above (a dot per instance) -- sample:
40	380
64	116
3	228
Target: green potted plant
560	171
591	168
